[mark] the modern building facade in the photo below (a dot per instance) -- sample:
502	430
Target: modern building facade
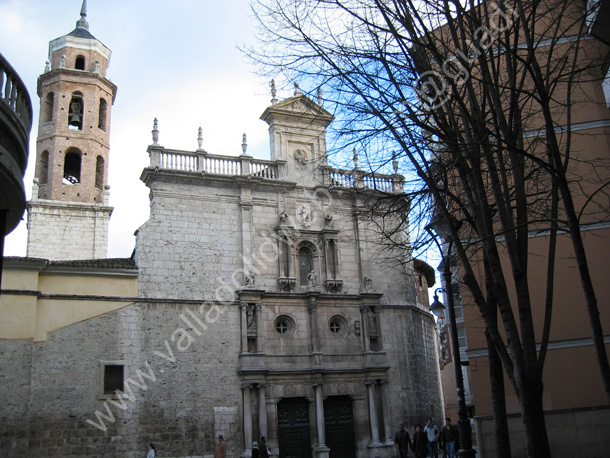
574	400
260	301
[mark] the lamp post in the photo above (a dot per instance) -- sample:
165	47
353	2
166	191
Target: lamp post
465	432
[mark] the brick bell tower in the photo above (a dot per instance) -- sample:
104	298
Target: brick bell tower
69	212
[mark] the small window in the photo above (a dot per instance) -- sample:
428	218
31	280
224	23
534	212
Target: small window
43	168
305	265
75	113
99	173
102	115
461	332
72	166
49	105
284	325
80	63
113	378
337	326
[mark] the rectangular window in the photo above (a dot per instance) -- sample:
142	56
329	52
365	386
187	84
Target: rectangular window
461	331
113	378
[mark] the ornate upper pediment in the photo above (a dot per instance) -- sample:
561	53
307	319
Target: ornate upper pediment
301	106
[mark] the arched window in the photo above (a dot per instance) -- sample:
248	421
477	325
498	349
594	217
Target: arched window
305	265
75	113
102	115
49	103
99	173
43	168
72	166
80	63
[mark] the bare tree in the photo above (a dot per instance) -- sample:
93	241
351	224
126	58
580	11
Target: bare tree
477	100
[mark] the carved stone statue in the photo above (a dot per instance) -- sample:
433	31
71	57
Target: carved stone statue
312	278
328	220
283	217
368	283
249	278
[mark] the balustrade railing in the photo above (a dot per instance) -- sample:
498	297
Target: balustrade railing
248	166
15	97
213	164
360	179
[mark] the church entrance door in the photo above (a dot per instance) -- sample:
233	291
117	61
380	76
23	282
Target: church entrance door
339	423
293	428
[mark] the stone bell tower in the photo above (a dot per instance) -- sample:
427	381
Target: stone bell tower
69	212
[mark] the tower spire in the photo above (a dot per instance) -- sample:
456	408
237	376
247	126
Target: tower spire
82	22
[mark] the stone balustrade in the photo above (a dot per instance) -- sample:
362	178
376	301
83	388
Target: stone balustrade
203	162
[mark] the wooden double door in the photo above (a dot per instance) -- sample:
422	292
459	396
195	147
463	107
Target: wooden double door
294	428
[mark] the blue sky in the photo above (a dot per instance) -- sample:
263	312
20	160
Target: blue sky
174	60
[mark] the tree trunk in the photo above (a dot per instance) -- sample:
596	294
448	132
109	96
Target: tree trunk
534	424
498	396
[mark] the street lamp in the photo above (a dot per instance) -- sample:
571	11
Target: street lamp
440	227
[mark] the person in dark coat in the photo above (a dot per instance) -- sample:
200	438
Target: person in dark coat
264	453
449	438
402	441
420	442
255	451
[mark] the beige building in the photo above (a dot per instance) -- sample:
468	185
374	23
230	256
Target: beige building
260	301
574	400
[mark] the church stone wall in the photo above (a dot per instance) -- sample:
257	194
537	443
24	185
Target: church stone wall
48	402
67	231
191	240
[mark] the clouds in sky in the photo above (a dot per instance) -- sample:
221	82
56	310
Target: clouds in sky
174	60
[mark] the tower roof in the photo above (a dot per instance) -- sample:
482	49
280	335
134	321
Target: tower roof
82	26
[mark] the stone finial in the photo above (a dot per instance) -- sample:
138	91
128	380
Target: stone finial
82	22
35	189
355	158
394	162
244	144
62	61
297	91
319	96
47	66
273	92
96	67
155	132
106	194
200	137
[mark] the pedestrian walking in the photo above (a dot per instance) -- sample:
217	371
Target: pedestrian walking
449	438
221	450
420	442
152	451
263	448
402	440
432	432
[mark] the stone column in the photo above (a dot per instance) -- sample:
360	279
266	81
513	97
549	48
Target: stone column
320	415
364	316
385	408
312	306
259	330
373	413
262	411
313	323
244	327
321	450
247	421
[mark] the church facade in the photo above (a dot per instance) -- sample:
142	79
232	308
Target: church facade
267	302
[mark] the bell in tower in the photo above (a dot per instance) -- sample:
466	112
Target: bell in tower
69	213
